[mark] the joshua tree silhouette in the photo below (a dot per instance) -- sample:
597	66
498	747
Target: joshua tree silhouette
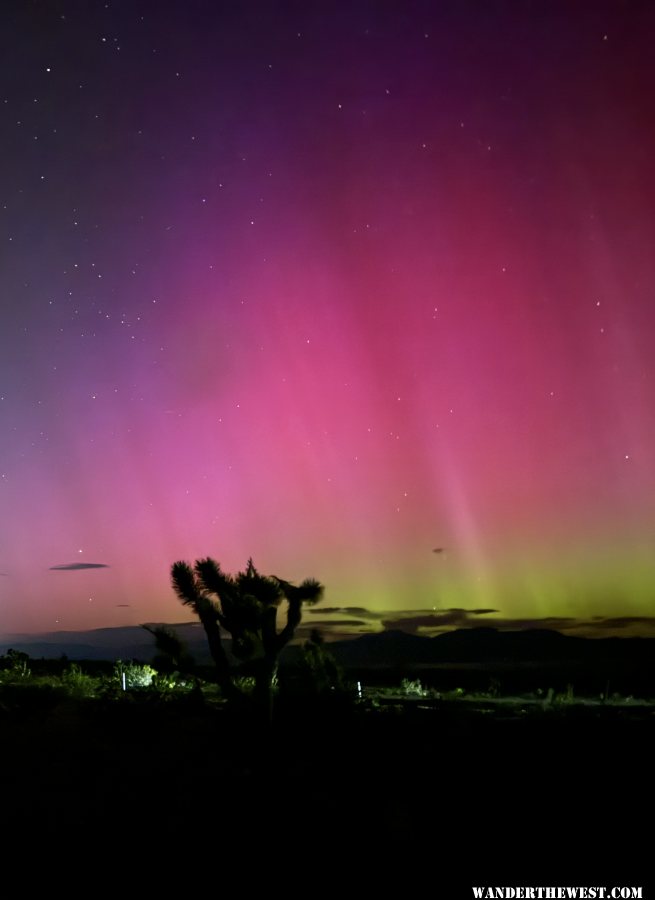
245	605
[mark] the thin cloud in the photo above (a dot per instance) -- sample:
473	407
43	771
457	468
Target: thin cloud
333	621
467	618
118	605
358	611
453	617
335	625
602	622
76	567
449	618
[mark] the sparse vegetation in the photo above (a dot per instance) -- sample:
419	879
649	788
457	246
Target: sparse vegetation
14	666
133	675
39	686
413	688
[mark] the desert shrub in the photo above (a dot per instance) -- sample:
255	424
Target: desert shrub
245	683
456	694
14	666
78	683
319	669
133	675
167	682
413	688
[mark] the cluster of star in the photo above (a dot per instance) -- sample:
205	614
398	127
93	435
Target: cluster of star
326	287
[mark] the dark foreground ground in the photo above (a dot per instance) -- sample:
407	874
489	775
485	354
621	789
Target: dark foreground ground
441	797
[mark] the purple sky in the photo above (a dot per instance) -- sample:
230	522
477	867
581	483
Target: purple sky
330	285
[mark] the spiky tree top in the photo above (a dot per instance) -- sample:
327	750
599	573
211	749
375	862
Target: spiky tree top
245	605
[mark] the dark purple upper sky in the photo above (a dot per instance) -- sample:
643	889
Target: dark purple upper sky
332	285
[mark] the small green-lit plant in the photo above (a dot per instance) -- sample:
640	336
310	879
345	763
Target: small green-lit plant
245	683
133	675
78	682
15	666
167	682
413	688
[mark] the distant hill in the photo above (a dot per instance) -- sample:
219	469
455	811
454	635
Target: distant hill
129	642
393	649
488	645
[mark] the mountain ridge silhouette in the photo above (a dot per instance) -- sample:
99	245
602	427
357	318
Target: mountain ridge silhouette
392	647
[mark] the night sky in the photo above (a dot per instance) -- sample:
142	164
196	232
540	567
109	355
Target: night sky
333	285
